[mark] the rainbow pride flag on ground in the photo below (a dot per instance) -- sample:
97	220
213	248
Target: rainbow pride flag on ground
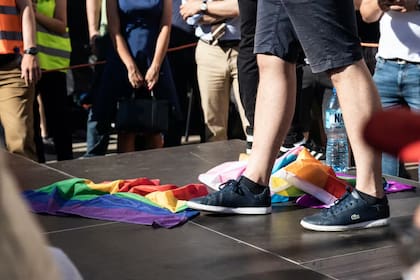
139	201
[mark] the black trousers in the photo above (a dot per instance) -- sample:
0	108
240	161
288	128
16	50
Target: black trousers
53	90
248	76
184	73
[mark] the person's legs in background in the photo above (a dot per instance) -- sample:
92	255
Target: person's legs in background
104	95
214	89
296	136
412	97
96	141
248	76
39	144
232	61
386	79
307	125
53	90
16	111
395	92
184	73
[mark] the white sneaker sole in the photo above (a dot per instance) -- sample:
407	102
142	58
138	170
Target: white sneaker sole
368	224
229	210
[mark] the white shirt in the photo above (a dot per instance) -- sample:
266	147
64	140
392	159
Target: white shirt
400	36
203	31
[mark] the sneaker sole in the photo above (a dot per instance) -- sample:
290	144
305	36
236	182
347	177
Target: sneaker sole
294	145
229	210
316	154
368	224
285	149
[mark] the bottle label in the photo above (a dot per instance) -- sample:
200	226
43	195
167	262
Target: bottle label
334	119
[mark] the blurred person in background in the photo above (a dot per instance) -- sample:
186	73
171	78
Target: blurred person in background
54	57
218	29
140	34
397	69
100	44
19	71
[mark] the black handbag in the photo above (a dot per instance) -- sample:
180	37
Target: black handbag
142	114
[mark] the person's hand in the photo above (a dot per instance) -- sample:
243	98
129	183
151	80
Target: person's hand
31	72
407	6
152	76
135	77
386	4
190	8
398	5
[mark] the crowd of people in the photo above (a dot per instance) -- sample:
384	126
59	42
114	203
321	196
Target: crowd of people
240	50
211	85
261	56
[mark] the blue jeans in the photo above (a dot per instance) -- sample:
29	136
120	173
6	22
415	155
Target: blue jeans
97	143
398	84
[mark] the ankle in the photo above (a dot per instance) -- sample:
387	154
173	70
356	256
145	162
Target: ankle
371	199
251	185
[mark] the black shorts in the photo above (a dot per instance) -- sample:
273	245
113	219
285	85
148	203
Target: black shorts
325	29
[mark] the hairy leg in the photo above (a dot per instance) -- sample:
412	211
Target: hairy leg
359	100
276	98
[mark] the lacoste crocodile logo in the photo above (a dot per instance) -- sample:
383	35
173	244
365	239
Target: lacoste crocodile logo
354	217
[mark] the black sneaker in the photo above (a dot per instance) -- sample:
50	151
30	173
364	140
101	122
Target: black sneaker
234	198
316	151
349	212
249	139
292	140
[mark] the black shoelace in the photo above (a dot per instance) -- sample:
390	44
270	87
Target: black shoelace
338	206
231	185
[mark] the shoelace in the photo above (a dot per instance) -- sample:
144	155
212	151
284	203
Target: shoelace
337	206
231	184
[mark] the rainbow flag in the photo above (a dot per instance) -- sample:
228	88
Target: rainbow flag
139	201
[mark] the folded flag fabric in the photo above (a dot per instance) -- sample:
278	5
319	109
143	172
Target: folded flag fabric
139	201
281	189
297	174
312	176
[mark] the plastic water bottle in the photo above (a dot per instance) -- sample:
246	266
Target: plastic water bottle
337	151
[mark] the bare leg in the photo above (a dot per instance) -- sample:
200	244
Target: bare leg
358	101
276	98
42	118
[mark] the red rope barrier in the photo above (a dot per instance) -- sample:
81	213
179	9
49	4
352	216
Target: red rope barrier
369	45
103	61
182	47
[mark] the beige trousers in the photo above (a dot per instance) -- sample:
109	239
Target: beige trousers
217	74
16	111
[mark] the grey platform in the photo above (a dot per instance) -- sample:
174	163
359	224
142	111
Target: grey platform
210	246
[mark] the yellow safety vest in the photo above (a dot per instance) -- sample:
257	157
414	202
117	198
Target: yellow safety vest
54	49
11	40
